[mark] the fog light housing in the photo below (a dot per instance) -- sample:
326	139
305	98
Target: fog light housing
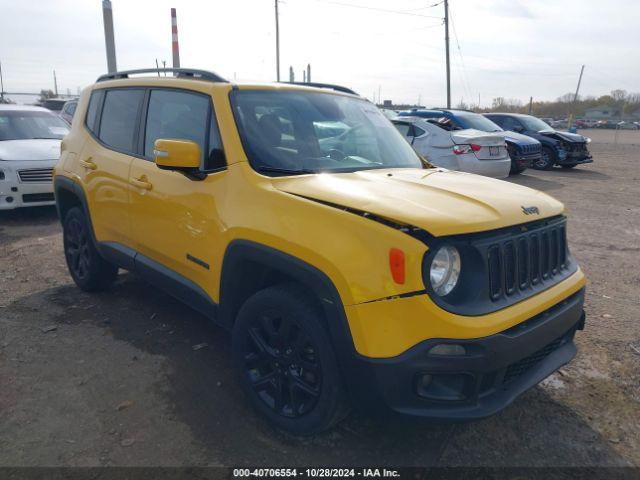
443	386
449	349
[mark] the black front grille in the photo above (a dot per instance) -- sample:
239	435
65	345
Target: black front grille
37	197
523	262
529	149
519	368
505	266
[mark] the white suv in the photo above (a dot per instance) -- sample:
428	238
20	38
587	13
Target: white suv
29	149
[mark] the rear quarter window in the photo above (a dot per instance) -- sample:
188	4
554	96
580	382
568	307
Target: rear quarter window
92	111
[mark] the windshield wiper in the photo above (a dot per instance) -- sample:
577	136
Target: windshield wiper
284	171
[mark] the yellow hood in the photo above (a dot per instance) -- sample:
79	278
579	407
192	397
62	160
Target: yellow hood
438	201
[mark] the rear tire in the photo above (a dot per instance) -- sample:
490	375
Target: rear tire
285	361
547	160
88	269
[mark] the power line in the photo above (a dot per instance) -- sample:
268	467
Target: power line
424	8
464	76
375	9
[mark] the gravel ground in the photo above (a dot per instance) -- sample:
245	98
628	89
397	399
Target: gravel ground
113	378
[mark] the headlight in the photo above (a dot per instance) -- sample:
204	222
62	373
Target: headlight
445	270
587	139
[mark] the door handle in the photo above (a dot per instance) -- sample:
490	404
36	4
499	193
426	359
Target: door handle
141	183
88	163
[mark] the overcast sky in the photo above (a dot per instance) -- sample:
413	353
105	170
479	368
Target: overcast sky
508	48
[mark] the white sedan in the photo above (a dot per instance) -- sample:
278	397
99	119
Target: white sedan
465	150
29	149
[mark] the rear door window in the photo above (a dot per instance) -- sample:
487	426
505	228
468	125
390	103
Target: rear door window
119	120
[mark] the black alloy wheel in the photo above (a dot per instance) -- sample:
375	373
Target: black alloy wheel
281	363
88	269
285	361
77	248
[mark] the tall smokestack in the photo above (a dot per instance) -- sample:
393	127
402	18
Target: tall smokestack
107	18
309	72
174	39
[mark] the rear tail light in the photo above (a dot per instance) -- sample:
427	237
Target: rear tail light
462	149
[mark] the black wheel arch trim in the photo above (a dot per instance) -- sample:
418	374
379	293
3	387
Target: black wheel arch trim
239	251
63	184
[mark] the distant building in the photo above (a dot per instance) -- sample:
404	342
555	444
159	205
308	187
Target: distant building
603	112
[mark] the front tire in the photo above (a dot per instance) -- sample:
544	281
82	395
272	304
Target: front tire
89	270
285	361
547	160
515	169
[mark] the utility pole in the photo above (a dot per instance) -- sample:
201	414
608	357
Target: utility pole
446	42
292	76
530	105
107	19
55	83
309	72
304	76
575	99
277	44
157	67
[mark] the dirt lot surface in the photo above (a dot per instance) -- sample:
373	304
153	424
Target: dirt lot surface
113	378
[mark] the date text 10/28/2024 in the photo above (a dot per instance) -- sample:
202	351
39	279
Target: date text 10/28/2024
315	472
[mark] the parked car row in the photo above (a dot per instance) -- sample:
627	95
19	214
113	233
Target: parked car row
558	148
495	145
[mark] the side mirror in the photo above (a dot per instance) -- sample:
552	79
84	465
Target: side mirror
172	154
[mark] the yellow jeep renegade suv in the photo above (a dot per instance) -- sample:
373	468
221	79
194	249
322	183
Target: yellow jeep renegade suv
349	269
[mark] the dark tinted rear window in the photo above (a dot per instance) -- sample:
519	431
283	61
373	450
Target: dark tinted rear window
119	118
94	104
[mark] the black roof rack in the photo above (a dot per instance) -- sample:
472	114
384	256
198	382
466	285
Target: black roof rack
181	73
337	88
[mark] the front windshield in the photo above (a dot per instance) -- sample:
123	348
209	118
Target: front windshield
534	124
27	125
477	121
291	132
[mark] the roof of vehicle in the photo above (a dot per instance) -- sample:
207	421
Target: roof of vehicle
410	118
203	77
27	108
505	114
